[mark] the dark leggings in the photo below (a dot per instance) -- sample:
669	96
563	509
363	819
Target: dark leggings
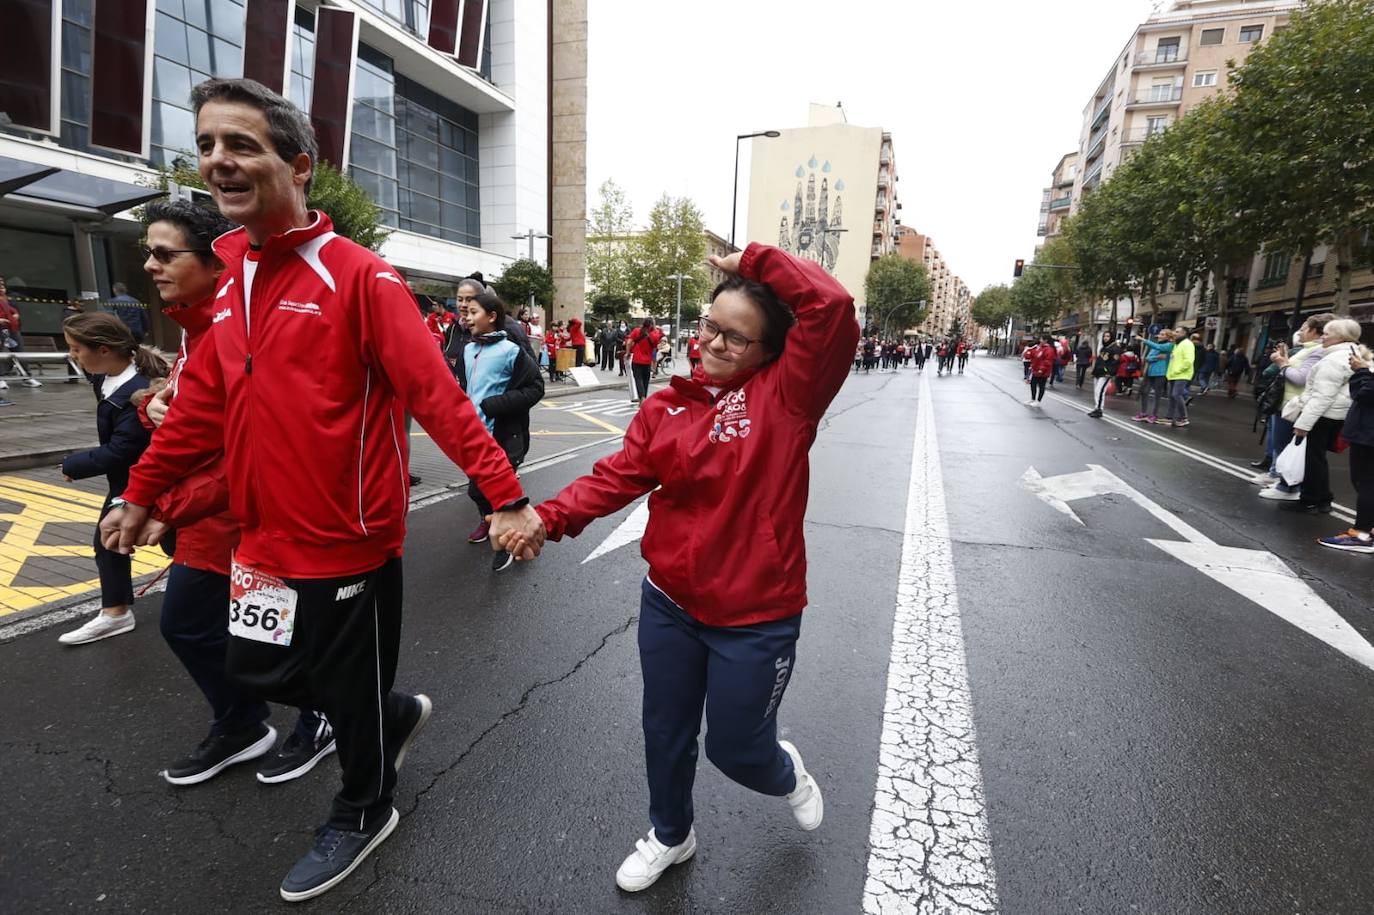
1038	388
1316	480
1362	476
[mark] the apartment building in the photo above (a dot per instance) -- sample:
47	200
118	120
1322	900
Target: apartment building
951	300
441	109
1176	59
1057	199
809	193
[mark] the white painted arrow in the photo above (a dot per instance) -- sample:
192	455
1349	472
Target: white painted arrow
630	530
1256	575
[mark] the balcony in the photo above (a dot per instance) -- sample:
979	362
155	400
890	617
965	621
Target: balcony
885	159
1156	95
1161	58
1095	145
1060	204
1140	135
1100	115
881	205
1091	177
883	179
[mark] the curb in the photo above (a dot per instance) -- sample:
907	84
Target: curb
79	604
32	459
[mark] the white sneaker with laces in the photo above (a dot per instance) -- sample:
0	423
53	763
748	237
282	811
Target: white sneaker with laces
1278	495
1264	479
650	859
101	627
807	805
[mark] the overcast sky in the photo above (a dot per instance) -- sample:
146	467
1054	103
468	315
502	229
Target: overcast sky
982	98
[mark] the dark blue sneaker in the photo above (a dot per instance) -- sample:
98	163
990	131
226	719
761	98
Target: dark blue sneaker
336	854
412	722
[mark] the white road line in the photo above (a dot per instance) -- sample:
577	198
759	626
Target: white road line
929	845
1345	513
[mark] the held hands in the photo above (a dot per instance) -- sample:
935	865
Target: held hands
129	526
158	404
520	532
728	264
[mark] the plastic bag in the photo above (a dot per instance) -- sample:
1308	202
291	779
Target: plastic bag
1111	388
1292	462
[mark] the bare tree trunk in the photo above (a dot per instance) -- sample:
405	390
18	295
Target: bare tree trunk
1344	255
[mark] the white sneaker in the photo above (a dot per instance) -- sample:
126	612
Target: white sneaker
1278	495
1264	479
101	627
650	859
807	805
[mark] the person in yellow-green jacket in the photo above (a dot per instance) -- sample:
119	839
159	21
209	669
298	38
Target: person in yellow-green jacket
1180	376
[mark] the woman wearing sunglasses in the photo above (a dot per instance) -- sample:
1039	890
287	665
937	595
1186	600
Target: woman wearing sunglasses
725	454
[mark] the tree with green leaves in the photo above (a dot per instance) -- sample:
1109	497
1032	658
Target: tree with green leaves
992	308
1304	102
522	279
346	202
673	243
611	245
896	293
609	307
1041	294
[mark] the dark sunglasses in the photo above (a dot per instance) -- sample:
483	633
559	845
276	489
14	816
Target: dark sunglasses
167	255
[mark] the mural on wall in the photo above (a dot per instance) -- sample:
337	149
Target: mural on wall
814	229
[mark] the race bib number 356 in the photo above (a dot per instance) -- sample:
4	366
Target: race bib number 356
261	607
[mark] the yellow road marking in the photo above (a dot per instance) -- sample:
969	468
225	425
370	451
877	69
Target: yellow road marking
66	493
43	504
547	432
598	422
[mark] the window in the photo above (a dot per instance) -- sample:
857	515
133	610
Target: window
1212	36
77	18
1204	78
436	143
302	59
195	40
413	14
1316	269
1251	33
1156	125
1167	50
1275	269
372	147
1163	92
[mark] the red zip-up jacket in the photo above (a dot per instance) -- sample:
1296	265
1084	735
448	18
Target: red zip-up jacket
725	538
643	347
197	506
1042	360
304	387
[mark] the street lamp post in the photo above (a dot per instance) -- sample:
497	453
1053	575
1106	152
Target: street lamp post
734	199
531	235
677	322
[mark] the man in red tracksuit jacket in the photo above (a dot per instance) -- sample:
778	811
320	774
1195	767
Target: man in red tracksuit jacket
316	352
195	608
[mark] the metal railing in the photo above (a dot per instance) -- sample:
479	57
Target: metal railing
1159	95
1161	57
1141	134
1061	203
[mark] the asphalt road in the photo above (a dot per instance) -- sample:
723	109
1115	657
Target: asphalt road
1147	739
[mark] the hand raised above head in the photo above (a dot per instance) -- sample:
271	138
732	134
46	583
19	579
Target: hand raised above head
727	264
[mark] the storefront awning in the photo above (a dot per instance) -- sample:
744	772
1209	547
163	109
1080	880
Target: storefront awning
15	173
71	188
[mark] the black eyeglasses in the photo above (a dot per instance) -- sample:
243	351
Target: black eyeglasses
167	255
735	342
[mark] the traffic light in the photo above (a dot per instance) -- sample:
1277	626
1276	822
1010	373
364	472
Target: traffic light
1020	265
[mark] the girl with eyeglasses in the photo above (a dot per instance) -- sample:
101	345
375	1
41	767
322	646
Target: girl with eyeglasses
725	455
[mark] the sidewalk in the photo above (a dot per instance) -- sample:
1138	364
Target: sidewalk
44	425
47	525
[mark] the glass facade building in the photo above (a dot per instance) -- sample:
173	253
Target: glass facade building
415	152
194	40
